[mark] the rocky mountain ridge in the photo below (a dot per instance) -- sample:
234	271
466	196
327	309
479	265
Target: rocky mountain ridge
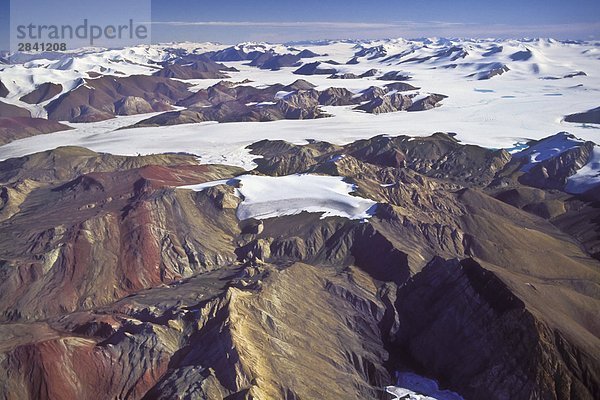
130	285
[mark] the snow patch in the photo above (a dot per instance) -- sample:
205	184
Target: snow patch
548	148
587	177
410	386
268	197
282	94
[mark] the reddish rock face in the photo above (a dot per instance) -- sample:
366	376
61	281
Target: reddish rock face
53	366
102	236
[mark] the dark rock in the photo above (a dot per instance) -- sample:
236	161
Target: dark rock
307	54
401	87
521	55
275	62
387	103
3	90
95	100
394	76
207	69
427	103
130	105
229	54
315	68
483	326
21	127
588	117
43	92
10	110
298	84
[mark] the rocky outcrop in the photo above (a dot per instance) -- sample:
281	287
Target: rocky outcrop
274	62
438	156
349	75
299	105
153	346
371	53
394	76
400	86
42	93
3	90
126	224
132	105
336	97
553	172
581	220
522	55
393	101
11	111
387	103
485	343
22	127
346	75
299	84
588	117
229	54
315	68
535	201
95	100
117	280
224	102
427	103
489	71
204	68
261	58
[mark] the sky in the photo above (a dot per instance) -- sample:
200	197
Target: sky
233	21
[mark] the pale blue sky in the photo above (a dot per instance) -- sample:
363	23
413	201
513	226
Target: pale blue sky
230	21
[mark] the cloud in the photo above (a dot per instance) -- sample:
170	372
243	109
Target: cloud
289	24
350	29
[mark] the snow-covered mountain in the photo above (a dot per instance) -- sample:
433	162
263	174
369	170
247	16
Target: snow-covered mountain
499	92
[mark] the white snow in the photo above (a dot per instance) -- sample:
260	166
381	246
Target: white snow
337	158
548	148
70	68
202	186
268	197
512	108
282	94
587	177
410	386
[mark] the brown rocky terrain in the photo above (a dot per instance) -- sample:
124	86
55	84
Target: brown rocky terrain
16	123
21	127
116	280
43	92
274	62
102	98
224	102
10	110
194	67
553	172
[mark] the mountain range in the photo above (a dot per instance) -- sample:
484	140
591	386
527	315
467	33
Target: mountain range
412	219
